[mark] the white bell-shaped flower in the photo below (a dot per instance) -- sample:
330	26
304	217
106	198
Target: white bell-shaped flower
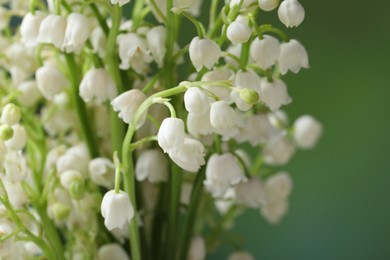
152	165
68	177
239	30
199	124
223	171
3	151
127	105
251	193
102	172
76	33
278	187
274	212
241	255
171	134
196	101
190	155
268	5
50	81
15	166
29	93
10	114
21	61
119	2
133	52
307	131
52	30
19	138
156	42
98	85
293	57
257	129
75	158
116	209
99	41
265	52
245	3
197	249
29	28
291	13
245	80
278	150
274	94
222	115
222	93
204	52
112	252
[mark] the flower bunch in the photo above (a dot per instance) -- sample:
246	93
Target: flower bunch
124	133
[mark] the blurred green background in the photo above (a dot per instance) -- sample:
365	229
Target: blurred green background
339	208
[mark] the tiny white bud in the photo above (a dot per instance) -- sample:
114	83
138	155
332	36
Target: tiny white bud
116	209
11	114
127	105
97	84
52	30
239	30
102	172
6	132
222	115
152	165
268	5
50	81
76	33
278	187
29	93
196	101
293	57
171	134
307	131
274	94
204	52
265	52
291	13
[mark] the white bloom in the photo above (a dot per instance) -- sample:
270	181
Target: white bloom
197	249
29	93
68	177
17	195
278	150
10	114
75	158
257	129
112	252
268	5
15	166
3	151
127	105
241	255
222	171
120	2
291	13
245	3
222	115
50	81
204	52
29	28
171	134
274	212
293	57
4	18
239	30
222	93
152	165
248	80
97	84
278	119
76	33
199	124
116	209
251	193
235	50
133	52
156	42
102	172
21	60
52	30
99	41
19	138
307	131
190	155
196	101
265	52
274	94
278	187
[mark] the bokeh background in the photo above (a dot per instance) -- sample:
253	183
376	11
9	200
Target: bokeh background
340	206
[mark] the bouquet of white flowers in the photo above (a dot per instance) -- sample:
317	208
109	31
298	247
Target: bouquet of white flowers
120	137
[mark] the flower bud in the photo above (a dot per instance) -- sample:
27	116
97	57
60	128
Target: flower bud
127	105
293	57
156	39
222	93
11	114
171	134
273	212
77	190
291	13
102	172
76	33
197	249
60	211
50	81
222	115
196	101
19	138
52	30
249	96
278	187
239	31
152	165
97	84
116	209
268	5
265	52
204	52
112	252
29	28
274	94
278	150
6	132
99	41
307	131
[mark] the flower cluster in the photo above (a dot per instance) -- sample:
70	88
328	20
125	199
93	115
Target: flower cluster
124	127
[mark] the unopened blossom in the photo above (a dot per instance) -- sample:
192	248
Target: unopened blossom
189	156
156	42
6	132
196	101
245	80
102	172
112	252
274	212
222	171
50	81
19	197
199	124
278	187
10	114
119	2
76	33
29	93
21	61
251	193
222	115
171	134
274	94
133	52
152	165
197	249
29	28
68	177
241	255
127	105
307	131
291	13
221	92
235	50
239	31
293	57
19	138
52	30
15	166
268	5
98	85
278	150
116	209
265	52
204	52
278	119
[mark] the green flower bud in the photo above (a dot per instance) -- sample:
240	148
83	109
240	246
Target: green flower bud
11	114
77	190
6	132
250	96
60	211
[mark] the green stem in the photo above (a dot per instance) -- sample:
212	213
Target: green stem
137	144
245	55
198	25
269	28
100	19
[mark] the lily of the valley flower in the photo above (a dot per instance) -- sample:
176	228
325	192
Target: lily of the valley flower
29	28
239	30
171	134
127	105
204	52
10	114
268	5
102	172
307	131
274	94
293	57
50	81
291	13
76	33
98	85
152	165
133	52
52	30
112	252
265	52
190	155
116	209
156	39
